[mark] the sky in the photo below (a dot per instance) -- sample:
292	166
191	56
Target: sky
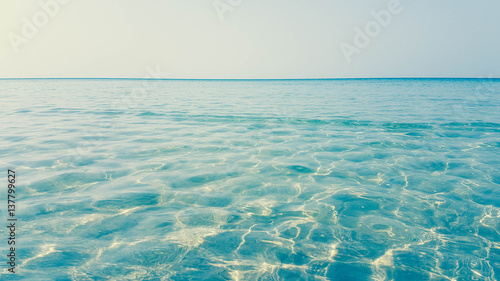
249	39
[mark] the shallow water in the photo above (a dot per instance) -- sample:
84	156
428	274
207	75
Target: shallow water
373	179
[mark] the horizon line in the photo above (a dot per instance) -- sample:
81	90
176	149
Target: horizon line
233	79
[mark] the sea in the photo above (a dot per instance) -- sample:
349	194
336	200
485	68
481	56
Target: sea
334	179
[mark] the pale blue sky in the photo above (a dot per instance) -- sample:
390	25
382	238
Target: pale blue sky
255	39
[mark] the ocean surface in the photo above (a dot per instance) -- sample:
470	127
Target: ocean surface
356	179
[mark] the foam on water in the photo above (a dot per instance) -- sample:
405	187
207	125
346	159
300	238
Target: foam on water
255	180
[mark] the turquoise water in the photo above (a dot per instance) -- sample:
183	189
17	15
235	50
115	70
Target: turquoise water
378	179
